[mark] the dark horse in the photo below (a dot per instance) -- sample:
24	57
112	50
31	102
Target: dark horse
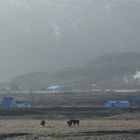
73	122
43	123
69	123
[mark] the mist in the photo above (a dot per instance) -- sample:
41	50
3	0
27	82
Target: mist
48	35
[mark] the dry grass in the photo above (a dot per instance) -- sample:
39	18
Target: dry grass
117	127
58	129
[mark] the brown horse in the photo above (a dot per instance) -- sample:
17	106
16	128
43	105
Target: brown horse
73	122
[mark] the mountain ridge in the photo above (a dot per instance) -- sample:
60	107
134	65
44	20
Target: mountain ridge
110	70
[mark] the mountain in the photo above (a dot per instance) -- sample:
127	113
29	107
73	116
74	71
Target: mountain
45	35
110	70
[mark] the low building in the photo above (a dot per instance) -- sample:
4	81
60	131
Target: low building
54	88
119	104
8	102
11	102
136	101
22	104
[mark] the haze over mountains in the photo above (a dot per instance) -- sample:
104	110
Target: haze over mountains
115	70
49	35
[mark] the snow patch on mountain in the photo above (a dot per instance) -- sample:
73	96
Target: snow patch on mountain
137	75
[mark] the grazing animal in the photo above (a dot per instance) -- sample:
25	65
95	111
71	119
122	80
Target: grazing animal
43	123
69	123
73	122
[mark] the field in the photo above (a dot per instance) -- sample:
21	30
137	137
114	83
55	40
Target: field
96	121
122	126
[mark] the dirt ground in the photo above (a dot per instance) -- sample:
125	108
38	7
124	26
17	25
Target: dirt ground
28	128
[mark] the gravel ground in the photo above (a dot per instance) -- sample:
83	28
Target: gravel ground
104	137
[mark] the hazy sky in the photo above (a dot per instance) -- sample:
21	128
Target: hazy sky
44	35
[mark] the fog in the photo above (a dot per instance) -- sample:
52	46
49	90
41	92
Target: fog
46	35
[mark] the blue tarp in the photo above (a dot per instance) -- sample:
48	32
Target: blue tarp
8	102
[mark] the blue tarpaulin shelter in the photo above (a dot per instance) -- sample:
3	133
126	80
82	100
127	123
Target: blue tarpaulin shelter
8	102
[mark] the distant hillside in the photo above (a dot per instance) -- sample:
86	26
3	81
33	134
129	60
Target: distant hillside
110	70
119	69
45	35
